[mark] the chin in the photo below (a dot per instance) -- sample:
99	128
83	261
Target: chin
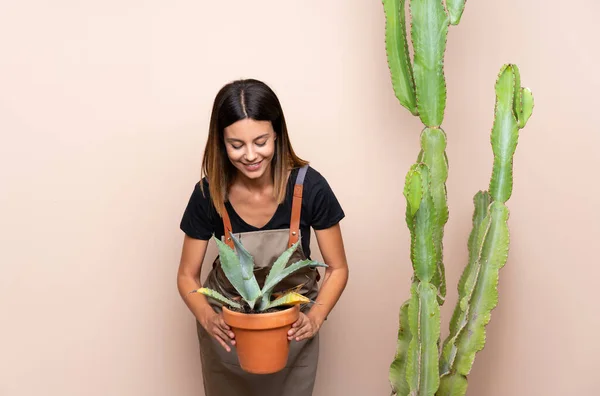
255	174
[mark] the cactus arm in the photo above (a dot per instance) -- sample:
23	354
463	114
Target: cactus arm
398	57
217	296
235	270
526	107
504	136
424	321
453	385
471	337
433	147
517	101
433	144
429	31
481	225
397	375
423	252
481	202
413	192
485	296
291	298
455	10
523	100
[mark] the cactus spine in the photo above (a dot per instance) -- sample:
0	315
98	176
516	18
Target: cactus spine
423	366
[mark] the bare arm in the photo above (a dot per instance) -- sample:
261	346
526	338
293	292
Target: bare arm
188	275
331	246
188	279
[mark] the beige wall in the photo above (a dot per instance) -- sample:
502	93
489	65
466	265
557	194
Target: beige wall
104	108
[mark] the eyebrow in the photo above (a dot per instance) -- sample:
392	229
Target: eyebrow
238	140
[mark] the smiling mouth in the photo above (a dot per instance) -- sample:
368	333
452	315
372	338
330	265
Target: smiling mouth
255	165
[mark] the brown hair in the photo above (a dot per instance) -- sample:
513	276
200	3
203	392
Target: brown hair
238	100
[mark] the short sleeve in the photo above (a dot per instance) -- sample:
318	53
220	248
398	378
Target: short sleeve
197	218
325	209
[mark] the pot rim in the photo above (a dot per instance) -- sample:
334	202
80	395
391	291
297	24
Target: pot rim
260	315
257	321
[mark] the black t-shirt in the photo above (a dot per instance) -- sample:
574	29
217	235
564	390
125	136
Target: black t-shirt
320	210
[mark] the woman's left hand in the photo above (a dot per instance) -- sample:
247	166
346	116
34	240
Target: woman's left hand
305	327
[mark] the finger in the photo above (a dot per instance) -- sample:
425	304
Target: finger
223	343
297	332
223	324
297	325
300	320
300	335
224	335
291	334
225	328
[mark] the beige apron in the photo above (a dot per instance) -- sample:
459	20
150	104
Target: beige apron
221	371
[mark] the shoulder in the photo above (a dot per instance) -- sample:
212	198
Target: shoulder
199	217
201	191
315	180
323	207
200	198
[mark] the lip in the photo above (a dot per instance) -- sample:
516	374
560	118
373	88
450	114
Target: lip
253	167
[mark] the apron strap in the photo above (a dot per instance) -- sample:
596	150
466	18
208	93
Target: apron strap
227	227
297	207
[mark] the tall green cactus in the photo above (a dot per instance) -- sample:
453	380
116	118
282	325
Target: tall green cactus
423	365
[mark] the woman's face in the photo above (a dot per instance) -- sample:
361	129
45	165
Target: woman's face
250	146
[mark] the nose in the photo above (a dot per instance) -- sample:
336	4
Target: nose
250	154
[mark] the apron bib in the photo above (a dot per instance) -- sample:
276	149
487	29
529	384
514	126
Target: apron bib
221	371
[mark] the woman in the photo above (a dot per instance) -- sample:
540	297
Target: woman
256	187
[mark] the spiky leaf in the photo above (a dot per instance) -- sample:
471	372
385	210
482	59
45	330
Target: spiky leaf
429	31
246	286
245	258
276	269
455	10
291	298
397	374
398	57
287	271
217	296
424	321
504	137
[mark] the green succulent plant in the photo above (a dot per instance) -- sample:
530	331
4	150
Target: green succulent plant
423	365
238	266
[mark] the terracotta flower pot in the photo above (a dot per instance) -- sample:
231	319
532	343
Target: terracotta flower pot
261	339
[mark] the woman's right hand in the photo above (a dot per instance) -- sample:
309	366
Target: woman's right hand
214	325
192	256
